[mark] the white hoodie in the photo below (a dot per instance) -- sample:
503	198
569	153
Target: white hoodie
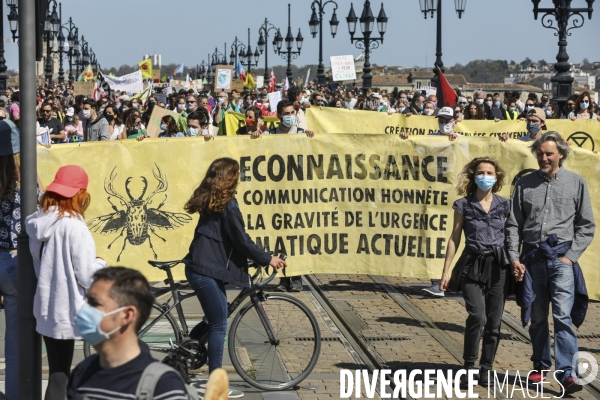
64	273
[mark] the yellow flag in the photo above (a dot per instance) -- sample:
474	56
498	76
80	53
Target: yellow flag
146	68
249	82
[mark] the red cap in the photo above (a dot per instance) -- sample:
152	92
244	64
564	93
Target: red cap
68	181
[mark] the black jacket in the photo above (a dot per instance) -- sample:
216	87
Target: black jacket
221	247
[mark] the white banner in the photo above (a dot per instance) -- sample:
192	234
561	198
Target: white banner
130	83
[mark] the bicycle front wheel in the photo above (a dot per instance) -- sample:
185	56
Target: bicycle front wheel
155	333
280	364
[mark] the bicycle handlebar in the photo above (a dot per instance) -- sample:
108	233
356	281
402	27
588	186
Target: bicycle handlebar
259	269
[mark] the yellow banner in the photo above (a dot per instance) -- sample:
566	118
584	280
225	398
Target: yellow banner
367	204
234	121
583	133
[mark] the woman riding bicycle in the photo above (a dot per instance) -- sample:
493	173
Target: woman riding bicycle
218	253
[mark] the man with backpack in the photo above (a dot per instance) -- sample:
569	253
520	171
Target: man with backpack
119	302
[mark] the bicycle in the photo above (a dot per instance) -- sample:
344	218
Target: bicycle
274	340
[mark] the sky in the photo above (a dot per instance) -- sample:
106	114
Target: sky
186	31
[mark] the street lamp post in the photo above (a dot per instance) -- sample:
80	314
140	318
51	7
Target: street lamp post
316	26
85	55
367	43
51	26
61	46
71	39
263	42
288	54
562	82
3	76
247	59
237	50
428	6
13	19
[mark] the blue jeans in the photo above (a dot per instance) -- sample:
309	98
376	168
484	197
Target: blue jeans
213	299
554	285
8	289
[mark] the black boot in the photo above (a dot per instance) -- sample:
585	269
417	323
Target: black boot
464	379
484	377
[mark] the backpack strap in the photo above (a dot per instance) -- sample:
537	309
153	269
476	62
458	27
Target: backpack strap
149	379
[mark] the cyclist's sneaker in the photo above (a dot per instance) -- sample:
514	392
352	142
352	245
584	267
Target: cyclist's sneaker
296	285
433	290
234	393
536	375
572	385
284	285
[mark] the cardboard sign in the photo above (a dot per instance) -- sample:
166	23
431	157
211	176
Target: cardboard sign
260	81
223	77
238	85
153	128
83	88
13	81
156	75
342	68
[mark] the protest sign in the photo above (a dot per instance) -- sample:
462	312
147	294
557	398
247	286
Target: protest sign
347	204
153	128
161	97
83	88
274	99
238	85
234	121
260	81
156	75
130	83
307	76
342	68
223	78
168	90
429	90
583	132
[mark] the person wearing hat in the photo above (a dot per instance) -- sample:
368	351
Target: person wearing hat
73	126
536	123
446	123
545	101
64	259
125	97
10	227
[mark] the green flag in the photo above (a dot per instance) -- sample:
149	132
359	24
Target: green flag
111	74
164	78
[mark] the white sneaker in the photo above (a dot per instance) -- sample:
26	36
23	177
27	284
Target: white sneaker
433	290
234	393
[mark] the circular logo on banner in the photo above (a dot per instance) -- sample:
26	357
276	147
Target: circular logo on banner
586	366
583	140
145	67
518	176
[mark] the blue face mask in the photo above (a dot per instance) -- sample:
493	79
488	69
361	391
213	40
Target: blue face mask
289	120
303	100
221	100
192	131
497	103
584	105
485	183
163	127
533	129
88	324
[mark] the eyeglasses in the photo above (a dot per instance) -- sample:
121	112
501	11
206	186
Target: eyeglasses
204	104
2	118
191	102
46	111
463	103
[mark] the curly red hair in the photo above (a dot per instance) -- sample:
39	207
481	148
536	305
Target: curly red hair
217	188
75	205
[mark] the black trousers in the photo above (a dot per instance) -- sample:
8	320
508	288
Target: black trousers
485	308
60	357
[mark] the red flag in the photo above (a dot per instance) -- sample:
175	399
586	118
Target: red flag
272	82
446	96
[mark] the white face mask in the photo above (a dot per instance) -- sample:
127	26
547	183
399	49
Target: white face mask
428	111
479	101
489	103
401	109
446	128
181	106
87	113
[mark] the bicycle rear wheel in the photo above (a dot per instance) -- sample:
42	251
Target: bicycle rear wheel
275	366
156	336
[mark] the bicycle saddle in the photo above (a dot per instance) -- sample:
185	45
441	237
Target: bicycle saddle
164	264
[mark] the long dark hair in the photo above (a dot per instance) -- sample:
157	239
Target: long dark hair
217	188
10	175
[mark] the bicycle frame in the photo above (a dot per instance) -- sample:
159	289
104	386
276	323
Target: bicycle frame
254	292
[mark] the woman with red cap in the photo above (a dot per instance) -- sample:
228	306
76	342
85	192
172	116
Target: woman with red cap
64	258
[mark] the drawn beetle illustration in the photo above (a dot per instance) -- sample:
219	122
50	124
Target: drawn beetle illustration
137	221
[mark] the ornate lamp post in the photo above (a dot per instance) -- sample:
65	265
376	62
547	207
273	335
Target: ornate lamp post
316	26
3	76
428	6
61	46
51	27
367	43
288	54
237	50
85	55
263	42
562	82
72	35
247	59
13	19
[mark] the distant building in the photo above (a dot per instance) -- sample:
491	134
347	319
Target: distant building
156	60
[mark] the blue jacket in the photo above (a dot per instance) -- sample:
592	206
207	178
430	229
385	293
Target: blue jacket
221	247
550	250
